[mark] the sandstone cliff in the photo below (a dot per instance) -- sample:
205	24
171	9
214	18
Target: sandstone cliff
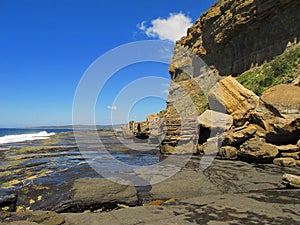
235	34
257	39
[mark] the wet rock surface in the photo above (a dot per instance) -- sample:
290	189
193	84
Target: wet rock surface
42	173
226	192
98	194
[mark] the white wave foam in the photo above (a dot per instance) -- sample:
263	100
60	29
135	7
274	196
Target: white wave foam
25	137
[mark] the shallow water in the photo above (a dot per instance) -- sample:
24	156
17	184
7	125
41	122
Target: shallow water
44	166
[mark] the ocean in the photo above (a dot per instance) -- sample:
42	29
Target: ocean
16	135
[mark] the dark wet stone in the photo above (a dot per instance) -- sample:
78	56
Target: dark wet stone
9	201
93	194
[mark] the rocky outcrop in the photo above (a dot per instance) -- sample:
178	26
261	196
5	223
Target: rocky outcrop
140	130
227	40
233	35
151	129
180	136
267	135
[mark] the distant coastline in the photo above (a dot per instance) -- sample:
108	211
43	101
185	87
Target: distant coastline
88	127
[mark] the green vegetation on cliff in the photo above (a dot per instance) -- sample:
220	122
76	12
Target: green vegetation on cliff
283	69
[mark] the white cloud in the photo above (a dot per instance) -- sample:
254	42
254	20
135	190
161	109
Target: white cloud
111	107
172	28
142	26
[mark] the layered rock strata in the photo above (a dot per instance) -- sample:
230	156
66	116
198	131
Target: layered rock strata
233	35
228	39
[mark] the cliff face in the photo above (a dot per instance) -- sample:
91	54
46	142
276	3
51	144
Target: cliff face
205	110
235	34
230	38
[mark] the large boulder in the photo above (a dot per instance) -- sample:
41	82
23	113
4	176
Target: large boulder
278	113
282	99
236	137
230	96
257	150
215	120
98	193
279	130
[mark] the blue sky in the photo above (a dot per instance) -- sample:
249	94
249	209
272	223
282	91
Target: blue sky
47	45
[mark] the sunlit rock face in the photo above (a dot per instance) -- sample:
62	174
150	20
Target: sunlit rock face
235	34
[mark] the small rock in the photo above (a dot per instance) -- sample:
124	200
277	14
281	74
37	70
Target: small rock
211	147
228	152
167	149
294	155
170	201
285	162
181	148
20	209
87	211
156	202
6	208
290	148
291	181
200	148
122	206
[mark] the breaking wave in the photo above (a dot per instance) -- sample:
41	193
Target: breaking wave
25	137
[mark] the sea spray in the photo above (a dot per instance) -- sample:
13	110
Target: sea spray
25	137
